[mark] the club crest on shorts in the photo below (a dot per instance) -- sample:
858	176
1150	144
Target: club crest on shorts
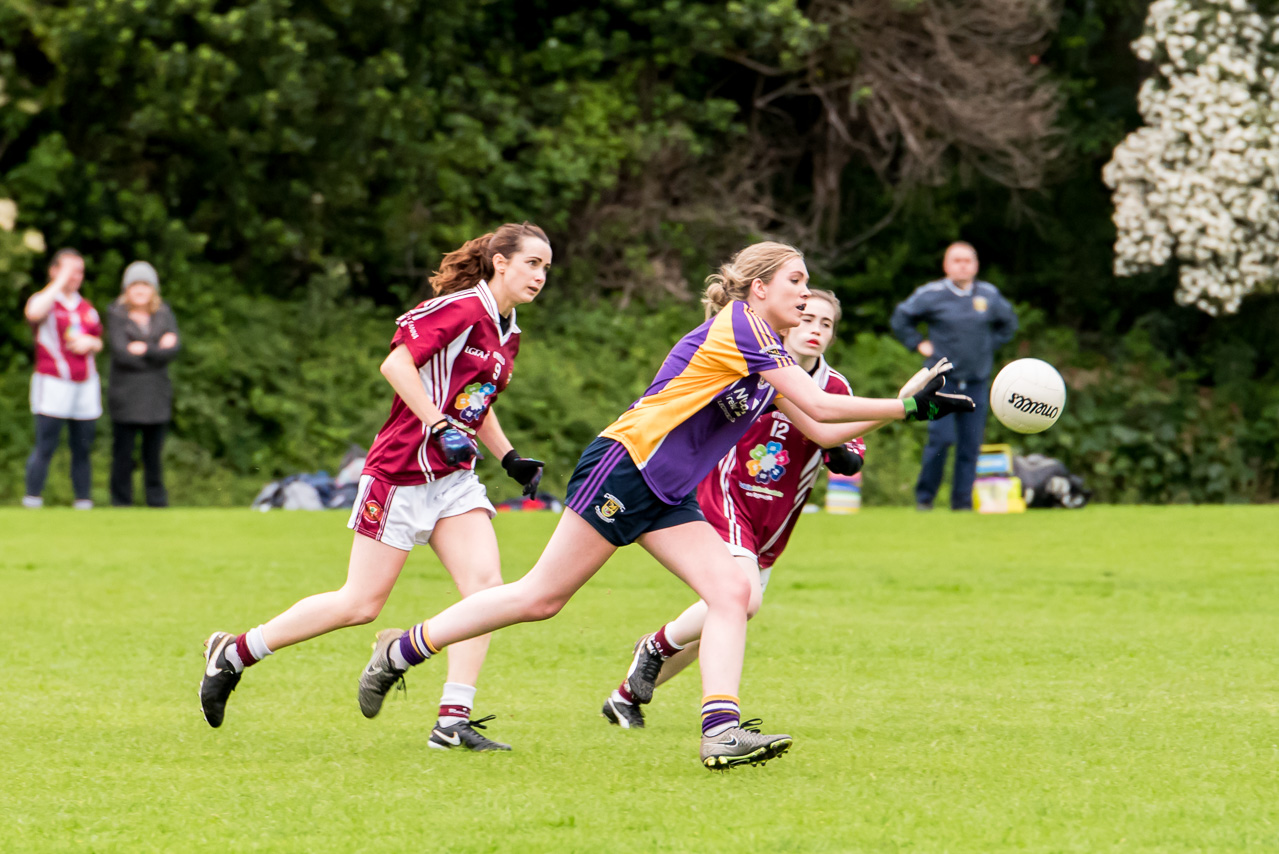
609	508
372	511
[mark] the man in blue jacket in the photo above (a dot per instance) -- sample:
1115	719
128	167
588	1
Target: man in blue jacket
967	321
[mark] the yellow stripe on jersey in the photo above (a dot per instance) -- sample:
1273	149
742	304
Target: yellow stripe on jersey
764	336
716	364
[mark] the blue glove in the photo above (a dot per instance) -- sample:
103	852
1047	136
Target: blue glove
455	446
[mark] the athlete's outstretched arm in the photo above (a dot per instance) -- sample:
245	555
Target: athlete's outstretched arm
401	373
831	435
794	383
827	435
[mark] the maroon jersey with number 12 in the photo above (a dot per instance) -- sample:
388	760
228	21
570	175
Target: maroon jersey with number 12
754	495
464	360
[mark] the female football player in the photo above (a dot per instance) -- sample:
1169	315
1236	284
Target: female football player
752	499
450	359
637	483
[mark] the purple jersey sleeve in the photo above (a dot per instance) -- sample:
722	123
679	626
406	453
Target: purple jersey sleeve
756	341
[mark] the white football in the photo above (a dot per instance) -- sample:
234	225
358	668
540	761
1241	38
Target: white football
1028	396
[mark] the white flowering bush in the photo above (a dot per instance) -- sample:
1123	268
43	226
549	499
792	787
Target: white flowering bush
1200	182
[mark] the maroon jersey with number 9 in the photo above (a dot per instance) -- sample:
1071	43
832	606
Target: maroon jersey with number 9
464	360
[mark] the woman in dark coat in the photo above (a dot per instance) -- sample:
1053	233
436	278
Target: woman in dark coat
144	339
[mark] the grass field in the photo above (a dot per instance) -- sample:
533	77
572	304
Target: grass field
1103	680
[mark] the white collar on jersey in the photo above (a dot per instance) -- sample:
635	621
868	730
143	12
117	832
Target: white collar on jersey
958	291
70	302
821	373
490	303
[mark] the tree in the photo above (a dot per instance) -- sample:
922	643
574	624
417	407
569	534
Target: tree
1199	184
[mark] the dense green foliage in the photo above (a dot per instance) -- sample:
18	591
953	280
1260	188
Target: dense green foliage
1063	682
294	168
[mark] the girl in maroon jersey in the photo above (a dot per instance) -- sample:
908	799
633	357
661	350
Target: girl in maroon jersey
450	359
753	499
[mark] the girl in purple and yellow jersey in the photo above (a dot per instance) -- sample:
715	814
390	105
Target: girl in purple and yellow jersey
637	483
753	497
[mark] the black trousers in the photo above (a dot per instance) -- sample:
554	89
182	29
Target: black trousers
123	441
80	437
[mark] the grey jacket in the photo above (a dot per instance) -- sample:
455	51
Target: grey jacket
139	391
967	328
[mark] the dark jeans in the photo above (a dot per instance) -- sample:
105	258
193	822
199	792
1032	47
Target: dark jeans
965	433
48	433
124	439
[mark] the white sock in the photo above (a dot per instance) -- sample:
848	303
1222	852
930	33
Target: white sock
398	661
617	697
456	697
257	645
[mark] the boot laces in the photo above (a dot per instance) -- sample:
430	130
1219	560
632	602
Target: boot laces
651	663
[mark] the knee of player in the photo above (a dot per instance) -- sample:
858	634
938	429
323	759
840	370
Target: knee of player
483	581
732	591
360	611
753	606
543	608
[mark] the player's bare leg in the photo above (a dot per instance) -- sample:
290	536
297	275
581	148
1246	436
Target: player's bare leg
660	655
696	554
370	575
467	546
573	555
676	664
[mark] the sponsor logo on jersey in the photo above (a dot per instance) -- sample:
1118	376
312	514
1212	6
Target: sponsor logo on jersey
477	353
372	512
768	462
609	508
473	400
412	330
980	304
762	492
735	403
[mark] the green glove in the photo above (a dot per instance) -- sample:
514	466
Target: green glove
930	404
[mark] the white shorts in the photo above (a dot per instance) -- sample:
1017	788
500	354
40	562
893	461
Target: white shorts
59	398
404	516
742	551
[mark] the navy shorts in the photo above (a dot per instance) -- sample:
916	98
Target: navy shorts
608	491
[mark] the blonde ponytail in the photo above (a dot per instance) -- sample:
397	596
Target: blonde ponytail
733	280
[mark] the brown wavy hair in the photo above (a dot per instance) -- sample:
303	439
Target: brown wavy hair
733	281
828	296
466	266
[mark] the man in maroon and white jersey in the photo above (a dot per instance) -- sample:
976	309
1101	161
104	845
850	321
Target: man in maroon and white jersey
65	389
450	358
753	499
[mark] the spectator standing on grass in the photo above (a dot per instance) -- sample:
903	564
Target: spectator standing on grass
967	320
65	389
144	340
